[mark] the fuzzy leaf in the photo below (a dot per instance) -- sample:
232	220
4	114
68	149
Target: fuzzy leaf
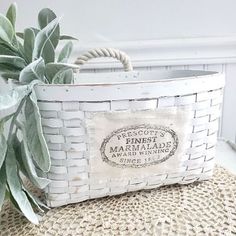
11	14
29	37
20	35
43	37
48	53
45	16
2	185
5	50
18	45
10	75
52	69
63	77
6	72
34	133
67	37
25	160
14	203
6	29
35	30
3	144
14	61
34	71
15	187
9	45
35	202
10	102
65	52
4	68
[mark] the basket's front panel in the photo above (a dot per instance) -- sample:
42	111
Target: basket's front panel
64	126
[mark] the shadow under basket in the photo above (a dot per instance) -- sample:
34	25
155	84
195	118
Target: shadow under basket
111	133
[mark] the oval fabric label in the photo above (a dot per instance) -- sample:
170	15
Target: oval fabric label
139	146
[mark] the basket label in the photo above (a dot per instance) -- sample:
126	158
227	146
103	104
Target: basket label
137	144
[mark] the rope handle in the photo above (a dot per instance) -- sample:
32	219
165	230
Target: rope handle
106	52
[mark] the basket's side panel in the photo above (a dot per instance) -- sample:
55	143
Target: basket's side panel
65	131
66	138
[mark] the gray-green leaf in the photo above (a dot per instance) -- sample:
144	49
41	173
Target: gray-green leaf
3	147
10	75
6	29
63	77
48	53
43	37
9	103
14	61
35	30
20	35
8	68
67	37
65	52
5	50
29	37
33	200
9	71
34	71
34	133
45	16
11	14
2	186
15	187
25	160
52	69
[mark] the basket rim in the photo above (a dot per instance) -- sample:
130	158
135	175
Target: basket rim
77	84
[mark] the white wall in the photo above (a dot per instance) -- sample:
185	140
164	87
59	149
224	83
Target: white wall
158	34
108	20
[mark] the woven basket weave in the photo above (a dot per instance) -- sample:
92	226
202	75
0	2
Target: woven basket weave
67	109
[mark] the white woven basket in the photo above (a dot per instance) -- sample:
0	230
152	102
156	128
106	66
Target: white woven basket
82	123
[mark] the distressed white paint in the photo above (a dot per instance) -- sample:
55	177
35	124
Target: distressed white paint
198	93
209	54
157	34
152	86
218	54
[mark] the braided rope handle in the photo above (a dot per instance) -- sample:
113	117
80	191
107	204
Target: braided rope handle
106	52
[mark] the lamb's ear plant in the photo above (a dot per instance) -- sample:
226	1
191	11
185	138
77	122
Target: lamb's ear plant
28	58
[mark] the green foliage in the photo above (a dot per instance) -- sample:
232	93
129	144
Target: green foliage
33	71
43	41
65	52
3	149
28	58
3	145
6	29
25	160
34	134
15	186
20	50
45	17
53	70
11	14
63	77
29	38
67	37
14	61
3	185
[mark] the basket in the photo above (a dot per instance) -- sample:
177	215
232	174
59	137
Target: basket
111	133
